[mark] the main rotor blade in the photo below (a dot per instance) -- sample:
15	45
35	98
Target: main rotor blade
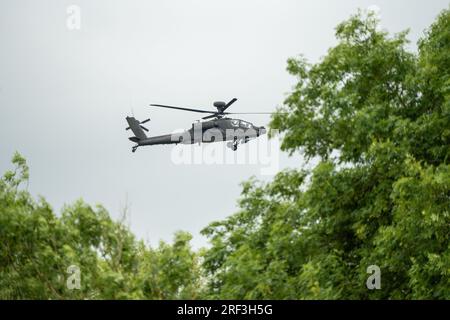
229	104
179	108
255	113
210	116
224	113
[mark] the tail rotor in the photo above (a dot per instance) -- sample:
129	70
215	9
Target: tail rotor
138	129
140	123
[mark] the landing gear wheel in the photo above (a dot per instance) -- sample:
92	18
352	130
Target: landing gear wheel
232	145
235	144
134	149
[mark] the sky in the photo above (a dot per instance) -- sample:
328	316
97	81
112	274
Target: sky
71	71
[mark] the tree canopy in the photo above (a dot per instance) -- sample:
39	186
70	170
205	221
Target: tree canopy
373	116
37	248
377	118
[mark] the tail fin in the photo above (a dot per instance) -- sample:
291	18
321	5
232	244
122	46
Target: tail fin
136	127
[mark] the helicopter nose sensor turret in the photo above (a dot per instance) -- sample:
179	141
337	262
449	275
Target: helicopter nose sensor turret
261	131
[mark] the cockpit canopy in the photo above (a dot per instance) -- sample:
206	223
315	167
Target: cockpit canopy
240	123
246	124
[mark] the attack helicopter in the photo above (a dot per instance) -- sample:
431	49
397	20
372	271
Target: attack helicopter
217	128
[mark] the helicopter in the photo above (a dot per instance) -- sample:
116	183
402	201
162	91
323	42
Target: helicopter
217	128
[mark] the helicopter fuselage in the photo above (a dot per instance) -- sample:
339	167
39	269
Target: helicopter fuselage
223	129
215	130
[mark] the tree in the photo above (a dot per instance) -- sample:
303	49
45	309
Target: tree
377	118
38	250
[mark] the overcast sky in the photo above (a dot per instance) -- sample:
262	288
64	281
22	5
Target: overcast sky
64	93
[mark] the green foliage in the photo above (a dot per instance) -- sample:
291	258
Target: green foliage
171	271
37	247
377	117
